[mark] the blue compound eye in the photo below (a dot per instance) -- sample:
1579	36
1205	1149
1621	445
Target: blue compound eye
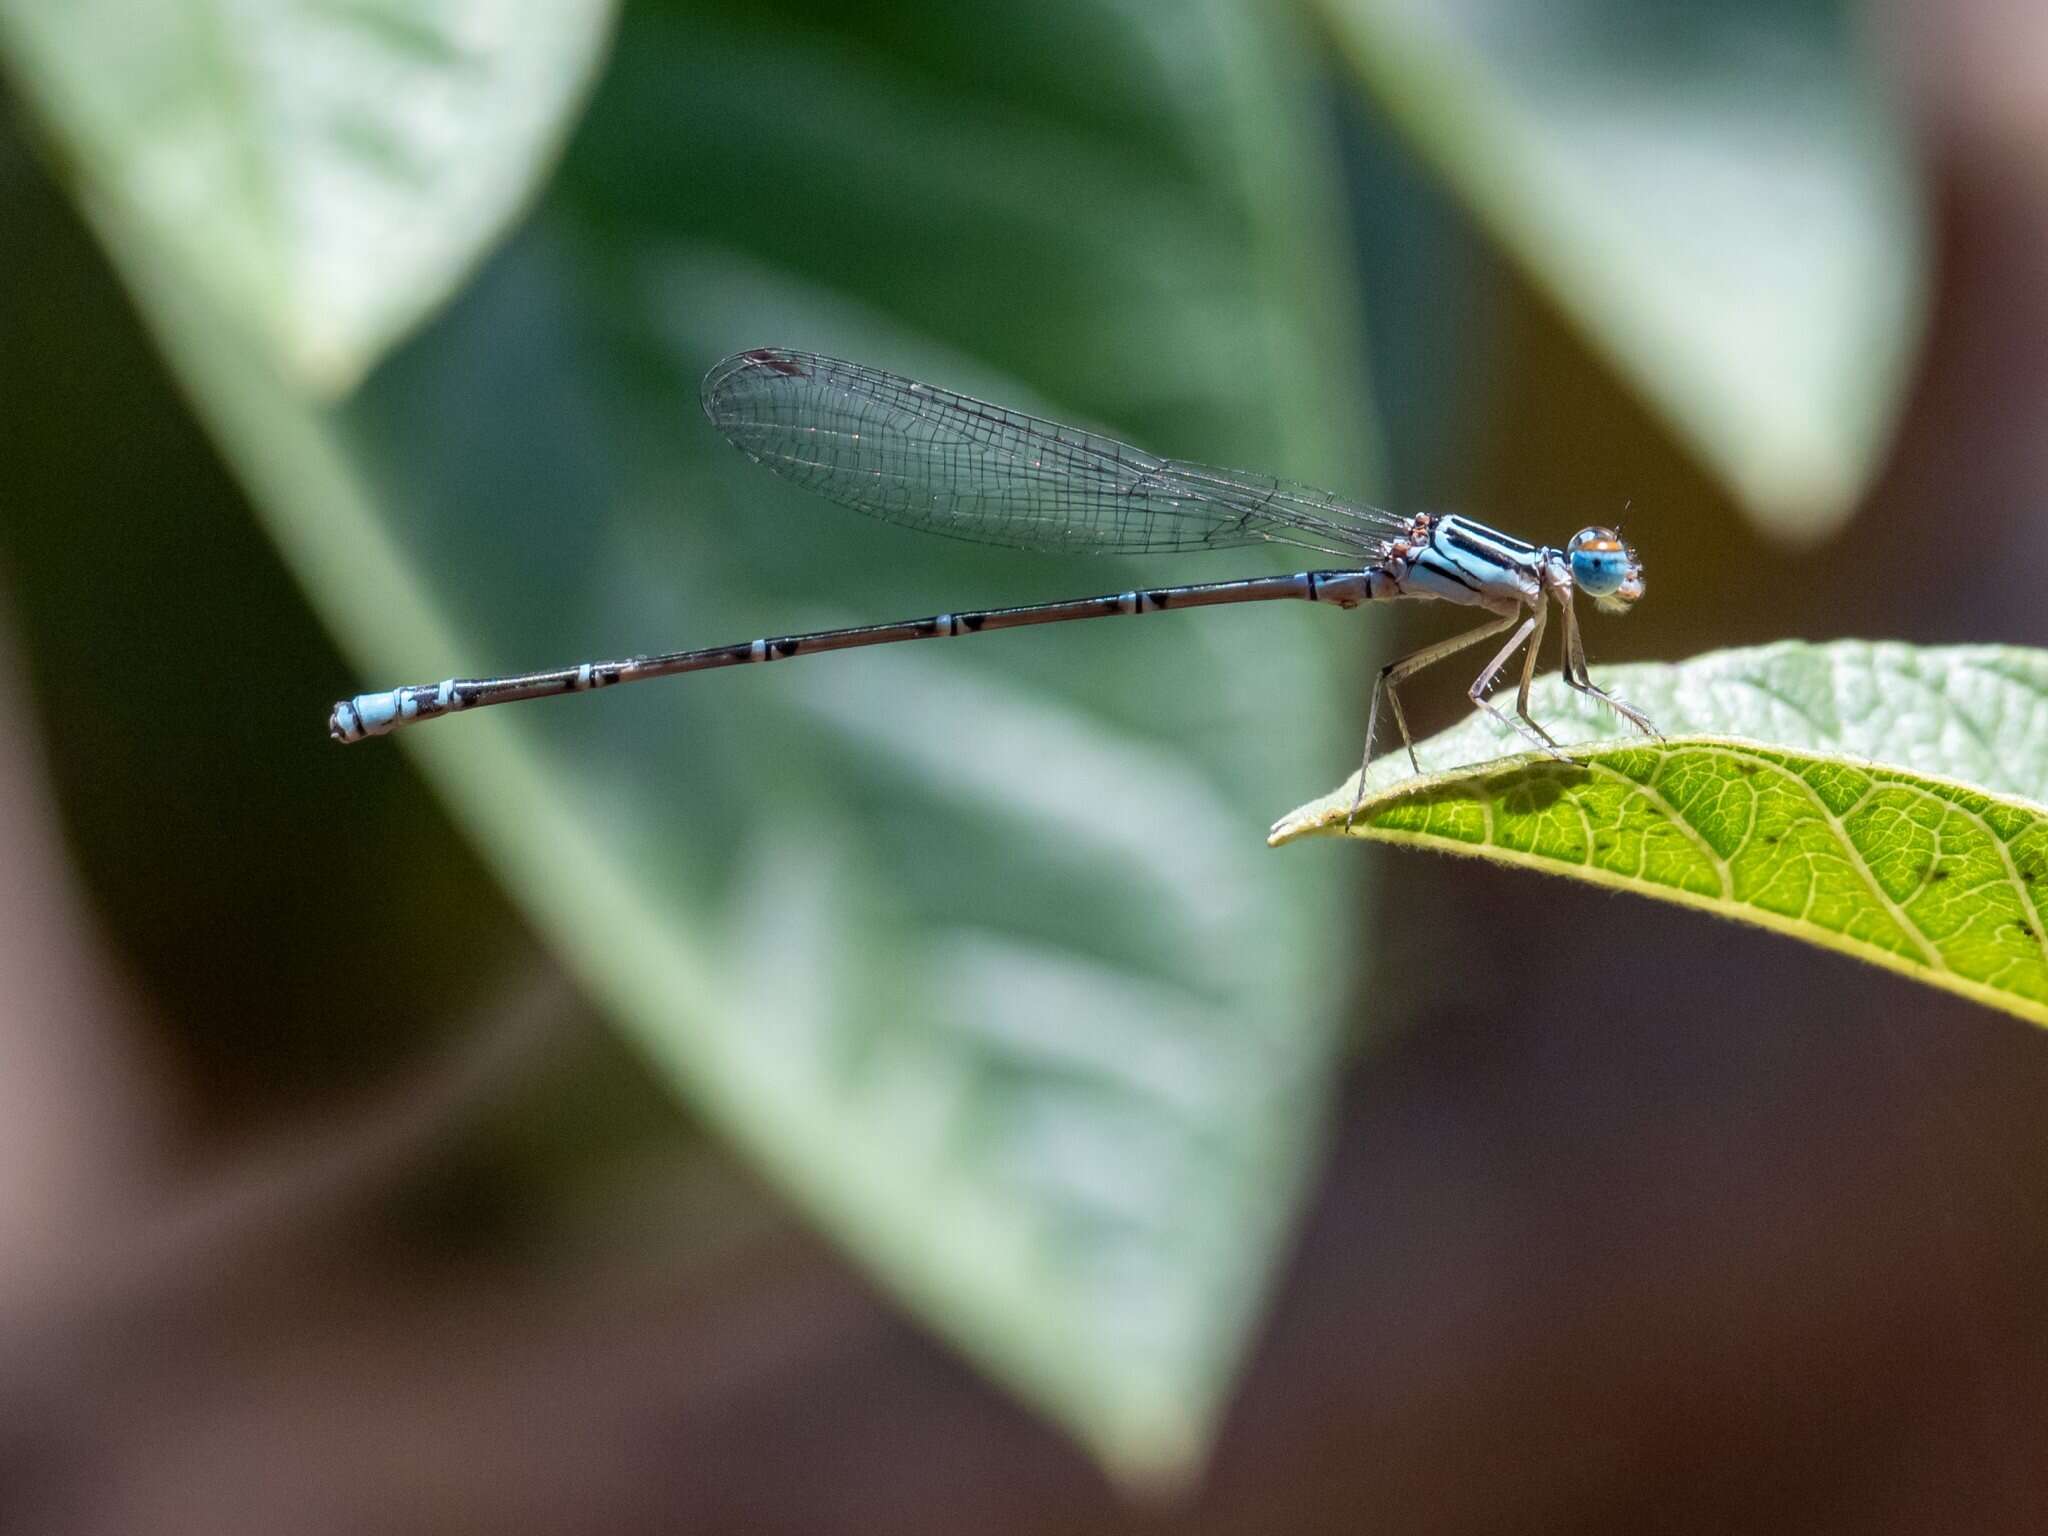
1605	568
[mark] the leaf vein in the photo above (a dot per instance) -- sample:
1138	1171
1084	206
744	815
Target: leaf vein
1706	849
2012	875
1854	858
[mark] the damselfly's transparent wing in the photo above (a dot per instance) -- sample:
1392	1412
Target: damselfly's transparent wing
944	463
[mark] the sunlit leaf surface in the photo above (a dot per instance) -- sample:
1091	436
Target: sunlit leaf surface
1891	805
1720	193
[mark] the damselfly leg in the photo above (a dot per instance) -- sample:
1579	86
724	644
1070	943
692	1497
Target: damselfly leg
1529	632
1576	676
1388	684
1529	670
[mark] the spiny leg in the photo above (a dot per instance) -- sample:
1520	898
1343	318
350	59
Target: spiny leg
1389	680
1529	669
1482	683
1576	676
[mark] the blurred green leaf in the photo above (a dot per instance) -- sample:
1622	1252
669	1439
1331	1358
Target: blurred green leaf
1889	806
1720	193
332	170
971	947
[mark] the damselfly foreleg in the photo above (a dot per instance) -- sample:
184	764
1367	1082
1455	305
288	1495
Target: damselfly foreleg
1529	669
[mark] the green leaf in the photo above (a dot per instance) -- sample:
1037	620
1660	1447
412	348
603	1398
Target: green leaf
1890	803
964	945
331	170
1720	193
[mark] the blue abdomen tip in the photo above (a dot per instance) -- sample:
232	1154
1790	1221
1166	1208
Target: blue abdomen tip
367	714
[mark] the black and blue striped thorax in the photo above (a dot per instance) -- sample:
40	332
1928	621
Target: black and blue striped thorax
1463	561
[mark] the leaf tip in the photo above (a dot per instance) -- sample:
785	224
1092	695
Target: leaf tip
1311	819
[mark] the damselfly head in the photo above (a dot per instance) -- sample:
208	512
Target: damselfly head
1605	568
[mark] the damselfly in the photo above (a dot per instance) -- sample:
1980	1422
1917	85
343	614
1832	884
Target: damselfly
926	458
